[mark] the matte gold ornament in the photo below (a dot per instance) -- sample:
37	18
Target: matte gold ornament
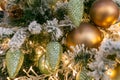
86	34
104	13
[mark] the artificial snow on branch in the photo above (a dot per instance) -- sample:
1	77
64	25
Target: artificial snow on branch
61	4
34	27
101	63
5	31
18	38
115	32
53	27
110	46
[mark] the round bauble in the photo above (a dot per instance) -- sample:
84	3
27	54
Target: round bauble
114	74
104	13
86	34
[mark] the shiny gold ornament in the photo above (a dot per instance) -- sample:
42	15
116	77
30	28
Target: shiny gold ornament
114	74
15	12
85	34
104	13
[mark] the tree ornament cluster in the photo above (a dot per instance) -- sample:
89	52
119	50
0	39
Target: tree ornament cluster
48	37
103	13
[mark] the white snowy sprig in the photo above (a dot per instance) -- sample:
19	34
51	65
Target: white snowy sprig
113	47
109	46
77	50
80	55
115	32
53	27
101	63
5	31
34	27
61	4
18	38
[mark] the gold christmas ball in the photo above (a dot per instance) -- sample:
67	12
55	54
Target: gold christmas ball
104	13
114	74
86	34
